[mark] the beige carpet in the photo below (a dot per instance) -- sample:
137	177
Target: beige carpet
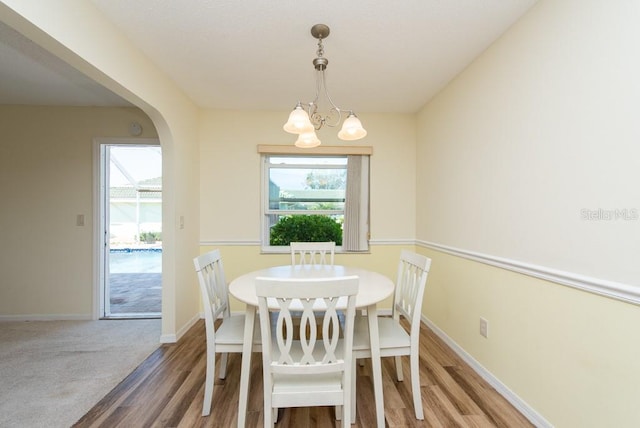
53	372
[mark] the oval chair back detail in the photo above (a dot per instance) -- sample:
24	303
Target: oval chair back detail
312	253
303	366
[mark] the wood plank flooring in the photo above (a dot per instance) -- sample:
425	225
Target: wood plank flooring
167	389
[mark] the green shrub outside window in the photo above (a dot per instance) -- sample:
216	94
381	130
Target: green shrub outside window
305	228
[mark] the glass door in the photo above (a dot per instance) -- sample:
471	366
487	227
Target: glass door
131	283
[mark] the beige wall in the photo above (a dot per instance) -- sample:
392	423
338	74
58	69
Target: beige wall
78	33
504	162
46	179
571	356
230	214
543	124
228	148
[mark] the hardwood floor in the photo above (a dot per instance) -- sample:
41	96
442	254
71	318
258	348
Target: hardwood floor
167	389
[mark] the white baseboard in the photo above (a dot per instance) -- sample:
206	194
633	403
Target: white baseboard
528	412
168	338
47	317
173	338
534	417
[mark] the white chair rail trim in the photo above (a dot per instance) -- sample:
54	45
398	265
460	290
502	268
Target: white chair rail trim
231	243
615	290
257	243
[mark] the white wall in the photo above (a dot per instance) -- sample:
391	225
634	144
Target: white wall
541	126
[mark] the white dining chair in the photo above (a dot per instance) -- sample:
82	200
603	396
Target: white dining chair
229	335
395	342
312	253
302	366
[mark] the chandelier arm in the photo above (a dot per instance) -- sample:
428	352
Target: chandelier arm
312	107
317	120
333	105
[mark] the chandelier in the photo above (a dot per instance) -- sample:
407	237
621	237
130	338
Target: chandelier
305	119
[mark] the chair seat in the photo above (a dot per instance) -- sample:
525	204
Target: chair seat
307	390
391	334
324	382
231	331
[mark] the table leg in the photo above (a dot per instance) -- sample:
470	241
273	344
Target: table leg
374	339
245	372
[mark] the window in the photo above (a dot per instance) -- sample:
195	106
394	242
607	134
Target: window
315	185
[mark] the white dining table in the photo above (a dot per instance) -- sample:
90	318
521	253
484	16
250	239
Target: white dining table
373	288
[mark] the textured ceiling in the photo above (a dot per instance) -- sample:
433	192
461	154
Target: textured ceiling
30	75
383	56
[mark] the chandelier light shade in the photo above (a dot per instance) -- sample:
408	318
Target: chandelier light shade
298	122
305	118
307	140
352	128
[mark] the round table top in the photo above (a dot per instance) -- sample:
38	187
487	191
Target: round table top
374	287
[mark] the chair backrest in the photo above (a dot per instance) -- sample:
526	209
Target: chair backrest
213	287
413	269
312	253
296	351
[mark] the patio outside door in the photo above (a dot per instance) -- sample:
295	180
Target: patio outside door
131	223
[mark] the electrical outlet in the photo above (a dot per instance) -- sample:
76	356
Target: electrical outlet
484	327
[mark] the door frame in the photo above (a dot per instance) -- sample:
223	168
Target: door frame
100	214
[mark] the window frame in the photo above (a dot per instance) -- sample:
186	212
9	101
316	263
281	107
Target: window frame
280	149
265	211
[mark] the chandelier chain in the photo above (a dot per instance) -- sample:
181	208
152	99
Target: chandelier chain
320	51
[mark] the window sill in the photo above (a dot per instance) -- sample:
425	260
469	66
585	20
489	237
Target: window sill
287	250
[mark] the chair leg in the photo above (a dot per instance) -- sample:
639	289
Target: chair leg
353	392
347	410
268	418
415	384
223	365
399	369
208	383
270	414
346	420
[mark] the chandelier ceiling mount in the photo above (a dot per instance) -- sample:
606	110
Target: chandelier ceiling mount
305	118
